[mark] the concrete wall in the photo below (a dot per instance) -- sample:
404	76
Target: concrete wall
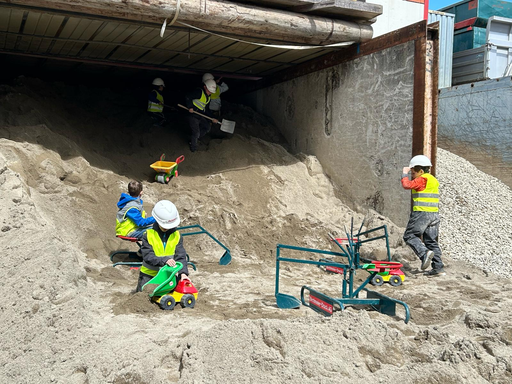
356	117
396	14
475	122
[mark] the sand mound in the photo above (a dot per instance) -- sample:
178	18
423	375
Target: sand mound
67	316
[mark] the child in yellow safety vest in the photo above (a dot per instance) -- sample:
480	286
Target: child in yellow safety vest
156	102
131	218
424	220
162	244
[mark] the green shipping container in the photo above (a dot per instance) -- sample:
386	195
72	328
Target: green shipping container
468	38
479	8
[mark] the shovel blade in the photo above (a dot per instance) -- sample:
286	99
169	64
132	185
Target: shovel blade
287	301
227	126
225	259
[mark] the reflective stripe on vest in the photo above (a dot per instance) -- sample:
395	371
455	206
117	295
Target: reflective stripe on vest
202	102
124	225
159	250
154	107
428	199
216	94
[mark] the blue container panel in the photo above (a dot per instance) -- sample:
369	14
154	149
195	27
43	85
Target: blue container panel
479	8
464	39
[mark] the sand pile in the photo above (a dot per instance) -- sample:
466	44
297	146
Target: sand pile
69	317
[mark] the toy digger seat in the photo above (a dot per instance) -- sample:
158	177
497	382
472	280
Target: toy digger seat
135	257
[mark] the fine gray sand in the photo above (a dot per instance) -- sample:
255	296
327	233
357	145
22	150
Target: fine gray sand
68	316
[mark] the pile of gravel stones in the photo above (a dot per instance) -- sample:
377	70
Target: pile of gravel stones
476	215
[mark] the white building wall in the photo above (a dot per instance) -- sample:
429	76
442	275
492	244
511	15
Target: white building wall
396	14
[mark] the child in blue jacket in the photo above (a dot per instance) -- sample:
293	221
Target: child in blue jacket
131	218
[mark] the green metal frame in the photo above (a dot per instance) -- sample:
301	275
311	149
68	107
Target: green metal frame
350	293
131	255
224	260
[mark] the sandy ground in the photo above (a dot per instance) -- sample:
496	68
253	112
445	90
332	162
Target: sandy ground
68	316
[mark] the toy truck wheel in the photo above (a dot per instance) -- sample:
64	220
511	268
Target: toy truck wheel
395	281
167	302
377	280
188	301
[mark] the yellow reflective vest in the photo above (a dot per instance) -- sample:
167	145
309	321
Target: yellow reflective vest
202	102
124	225
154	107
159	249
216	94
428	199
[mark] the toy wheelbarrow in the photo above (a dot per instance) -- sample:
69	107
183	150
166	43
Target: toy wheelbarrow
168	292
166	169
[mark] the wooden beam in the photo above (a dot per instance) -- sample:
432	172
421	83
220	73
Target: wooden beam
341	8
111	63
219	16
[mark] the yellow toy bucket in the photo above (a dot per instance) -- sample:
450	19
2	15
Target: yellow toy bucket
163	166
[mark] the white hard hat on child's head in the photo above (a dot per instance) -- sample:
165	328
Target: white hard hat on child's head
166	214
158	81
421	160
208	76
211	85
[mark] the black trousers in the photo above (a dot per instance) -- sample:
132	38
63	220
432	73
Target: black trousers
143	279
199	126
158	118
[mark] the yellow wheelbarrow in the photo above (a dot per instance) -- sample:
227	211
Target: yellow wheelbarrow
166	170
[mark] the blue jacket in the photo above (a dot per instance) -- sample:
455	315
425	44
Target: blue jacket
134	214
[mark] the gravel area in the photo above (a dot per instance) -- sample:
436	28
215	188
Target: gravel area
476	215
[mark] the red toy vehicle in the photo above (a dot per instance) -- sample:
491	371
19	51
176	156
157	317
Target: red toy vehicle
387	271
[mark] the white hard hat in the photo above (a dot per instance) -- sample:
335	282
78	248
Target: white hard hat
158	81
166	214
211	85
421	160
208	76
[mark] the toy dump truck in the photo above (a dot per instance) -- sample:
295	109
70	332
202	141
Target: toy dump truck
168	291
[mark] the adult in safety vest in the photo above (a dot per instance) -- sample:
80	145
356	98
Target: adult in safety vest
423	226
162	244
198	101
215	100
156	102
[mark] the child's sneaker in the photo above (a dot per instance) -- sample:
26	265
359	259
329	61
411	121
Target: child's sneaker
425	261
435	272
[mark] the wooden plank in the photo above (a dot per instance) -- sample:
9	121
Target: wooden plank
31	23
4	23
347	9
207	64
13	26
418	112
54	25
